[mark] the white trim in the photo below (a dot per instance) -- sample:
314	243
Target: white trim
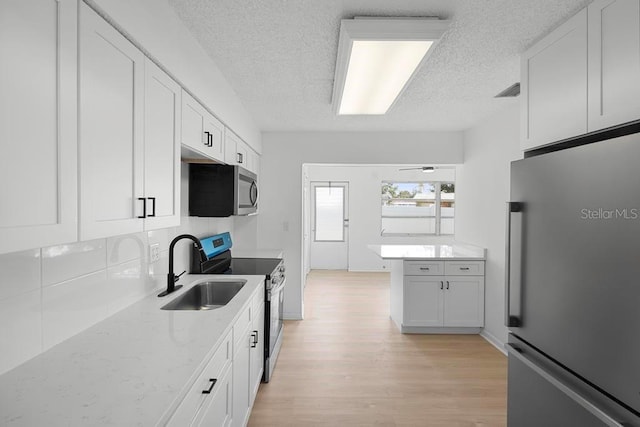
493	341
292	316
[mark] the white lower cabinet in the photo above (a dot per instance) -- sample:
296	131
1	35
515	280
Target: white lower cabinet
209	398
256	358
218	410
449	301
223	394
248	359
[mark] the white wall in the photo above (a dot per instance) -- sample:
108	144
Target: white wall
154	25
284	153
365	210
482	190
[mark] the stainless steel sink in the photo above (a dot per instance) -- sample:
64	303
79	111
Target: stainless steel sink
206	296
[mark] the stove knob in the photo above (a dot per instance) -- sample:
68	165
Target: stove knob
282	269
274	281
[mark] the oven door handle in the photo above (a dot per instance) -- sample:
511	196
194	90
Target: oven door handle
278	288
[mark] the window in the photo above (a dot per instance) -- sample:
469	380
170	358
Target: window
417	208
329	213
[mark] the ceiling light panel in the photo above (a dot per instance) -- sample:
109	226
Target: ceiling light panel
377	57
377	72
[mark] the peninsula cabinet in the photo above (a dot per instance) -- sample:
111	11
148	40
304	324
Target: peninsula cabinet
38	123
129	130
442	297
583	76
202	134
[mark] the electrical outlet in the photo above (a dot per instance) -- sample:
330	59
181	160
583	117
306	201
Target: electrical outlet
154	252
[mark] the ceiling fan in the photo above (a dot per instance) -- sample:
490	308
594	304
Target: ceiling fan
425	169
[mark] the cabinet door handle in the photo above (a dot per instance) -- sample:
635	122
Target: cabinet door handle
208	134
254	341
447	285
144	207
240	157
153	206
441	285
210	140
213	383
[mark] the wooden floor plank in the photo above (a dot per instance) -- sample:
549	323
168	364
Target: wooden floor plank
346	364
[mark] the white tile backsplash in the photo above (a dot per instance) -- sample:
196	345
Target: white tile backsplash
20	273
73	306
65	262
127	248
20	329
50	294
128	283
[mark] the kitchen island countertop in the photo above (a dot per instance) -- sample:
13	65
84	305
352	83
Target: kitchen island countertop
451	251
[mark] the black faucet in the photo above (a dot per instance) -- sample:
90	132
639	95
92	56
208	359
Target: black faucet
171	278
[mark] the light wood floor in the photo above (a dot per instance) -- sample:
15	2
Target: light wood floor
346	364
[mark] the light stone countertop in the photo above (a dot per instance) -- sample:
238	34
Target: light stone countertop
455	251
133	368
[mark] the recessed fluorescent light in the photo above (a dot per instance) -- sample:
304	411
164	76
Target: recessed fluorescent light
376	59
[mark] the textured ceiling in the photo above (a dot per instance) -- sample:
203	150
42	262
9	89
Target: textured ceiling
279	56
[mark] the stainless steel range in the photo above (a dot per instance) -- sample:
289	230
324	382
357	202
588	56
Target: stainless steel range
220	261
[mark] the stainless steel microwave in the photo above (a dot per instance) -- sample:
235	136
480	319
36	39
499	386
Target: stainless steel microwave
222	190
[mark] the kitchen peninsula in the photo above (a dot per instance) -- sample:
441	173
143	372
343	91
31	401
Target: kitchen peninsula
436	288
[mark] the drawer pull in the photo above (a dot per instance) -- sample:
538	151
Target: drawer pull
213	383
464	268
424	268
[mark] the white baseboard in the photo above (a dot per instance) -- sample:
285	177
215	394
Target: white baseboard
493	341
292	316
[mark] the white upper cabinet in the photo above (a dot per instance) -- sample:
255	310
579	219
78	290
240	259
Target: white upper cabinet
584	76
111	132
554	85
38	123
614	62
202	134
129	136
238	152
162	104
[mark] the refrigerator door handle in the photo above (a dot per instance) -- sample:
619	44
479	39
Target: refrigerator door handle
572	394
509	320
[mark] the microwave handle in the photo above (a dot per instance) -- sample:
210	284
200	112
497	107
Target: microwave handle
253	193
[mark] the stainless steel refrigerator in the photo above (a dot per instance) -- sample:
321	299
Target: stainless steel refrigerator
573	286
